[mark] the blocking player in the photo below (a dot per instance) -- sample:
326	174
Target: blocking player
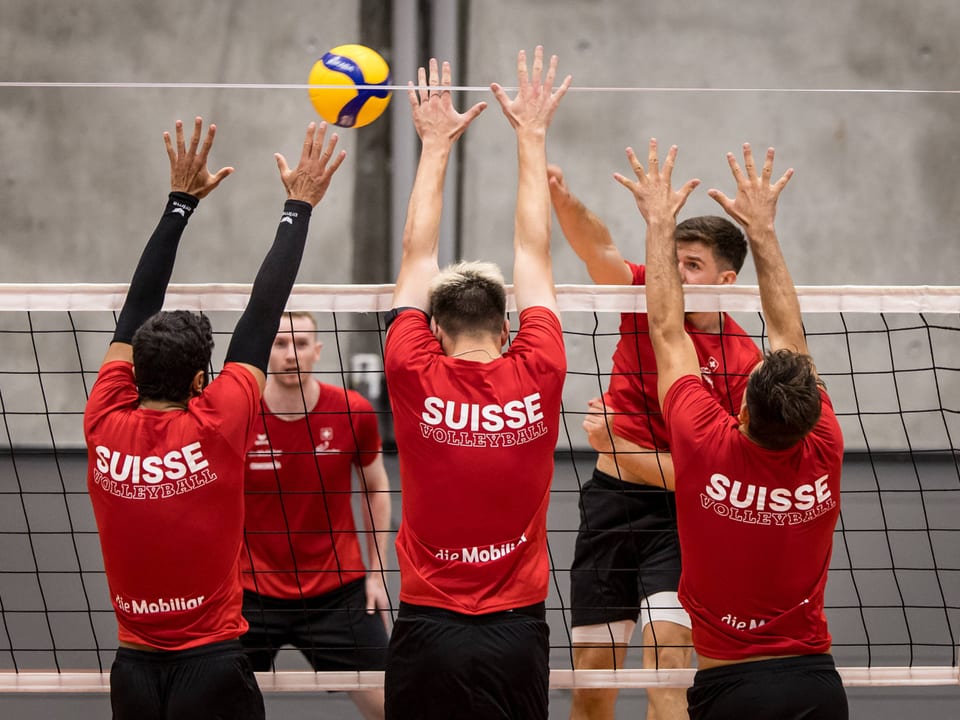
476	429
167	449
626	566
766	497
304	578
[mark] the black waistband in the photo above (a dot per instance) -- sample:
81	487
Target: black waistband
166	656
776	665
537	611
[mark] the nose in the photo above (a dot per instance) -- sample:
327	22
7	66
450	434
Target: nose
683	274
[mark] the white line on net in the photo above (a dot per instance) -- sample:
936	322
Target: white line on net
461	88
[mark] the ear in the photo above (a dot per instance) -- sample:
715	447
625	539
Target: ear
198	383
744	417
728	277
505	332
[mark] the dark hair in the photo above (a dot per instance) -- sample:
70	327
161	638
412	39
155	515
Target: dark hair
168	351
783	399
724	239
469	297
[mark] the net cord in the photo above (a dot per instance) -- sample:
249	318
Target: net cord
35	297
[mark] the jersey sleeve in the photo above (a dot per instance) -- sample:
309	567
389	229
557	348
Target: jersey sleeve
409	342
234	398
540	340
114	388
639	273
692	415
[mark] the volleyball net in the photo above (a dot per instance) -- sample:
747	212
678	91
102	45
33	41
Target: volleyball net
890	357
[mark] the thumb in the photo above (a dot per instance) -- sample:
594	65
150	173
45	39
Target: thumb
281	164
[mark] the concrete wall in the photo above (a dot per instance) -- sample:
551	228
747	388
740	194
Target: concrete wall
874	201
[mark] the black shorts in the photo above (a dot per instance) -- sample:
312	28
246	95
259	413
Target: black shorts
807	687
204	682
333	631
627	549
443	665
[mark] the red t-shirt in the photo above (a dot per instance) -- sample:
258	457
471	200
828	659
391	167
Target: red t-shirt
476	443
167	493
300	533
726	360
756	529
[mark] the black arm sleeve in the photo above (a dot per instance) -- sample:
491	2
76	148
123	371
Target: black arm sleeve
150	279
258	325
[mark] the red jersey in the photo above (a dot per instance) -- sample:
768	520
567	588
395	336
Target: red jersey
756	529
300	533
476	443
167	493
726	360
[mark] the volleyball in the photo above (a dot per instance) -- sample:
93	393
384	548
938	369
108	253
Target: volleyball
347	67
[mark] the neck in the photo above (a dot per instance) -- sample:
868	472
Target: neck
293	400
474	349
162	405
708	322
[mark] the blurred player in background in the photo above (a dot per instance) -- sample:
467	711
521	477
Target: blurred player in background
304	578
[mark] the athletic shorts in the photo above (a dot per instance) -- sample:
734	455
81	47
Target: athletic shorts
443	665
627	549
333	630
807	687
210	681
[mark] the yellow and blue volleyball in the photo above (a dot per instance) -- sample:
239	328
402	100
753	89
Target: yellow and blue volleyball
347	67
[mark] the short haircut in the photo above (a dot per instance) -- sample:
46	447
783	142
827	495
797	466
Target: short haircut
293	315
469	298
724	239
168	351
783	399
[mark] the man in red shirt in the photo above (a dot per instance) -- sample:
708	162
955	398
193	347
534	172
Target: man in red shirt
304	578
626	566
165	472
758	495
476	429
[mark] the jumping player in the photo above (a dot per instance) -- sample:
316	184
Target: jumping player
476	429
167	450
304	579
766	494
626	564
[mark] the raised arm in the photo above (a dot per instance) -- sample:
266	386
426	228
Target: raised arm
587	234
659	204
190	181
439	126
530	113
306	185
755	208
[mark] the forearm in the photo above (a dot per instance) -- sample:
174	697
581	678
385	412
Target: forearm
421	233
778	296
149	283
642	465
257	326
590	239
664	290
532	218
376	521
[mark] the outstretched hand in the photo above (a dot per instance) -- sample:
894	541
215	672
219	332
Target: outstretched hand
311	178
188	168
652	190
536	100
755	204
434	116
